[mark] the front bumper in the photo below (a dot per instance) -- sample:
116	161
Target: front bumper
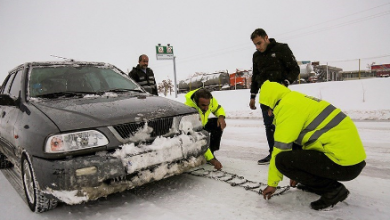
90	177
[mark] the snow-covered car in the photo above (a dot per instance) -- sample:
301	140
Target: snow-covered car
78	131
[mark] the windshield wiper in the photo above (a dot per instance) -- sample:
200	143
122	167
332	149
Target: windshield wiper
65	94
124	90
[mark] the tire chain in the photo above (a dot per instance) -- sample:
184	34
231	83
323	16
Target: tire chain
236	180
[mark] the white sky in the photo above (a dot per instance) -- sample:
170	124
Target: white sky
206	35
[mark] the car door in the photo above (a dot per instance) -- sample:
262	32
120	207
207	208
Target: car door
9	114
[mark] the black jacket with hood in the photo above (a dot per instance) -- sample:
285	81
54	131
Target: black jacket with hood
276	64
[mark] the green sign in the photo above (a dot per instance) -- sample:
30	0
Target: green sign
164	52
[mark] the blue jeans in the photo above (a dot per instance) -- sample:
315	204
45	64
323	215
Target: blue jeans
269	130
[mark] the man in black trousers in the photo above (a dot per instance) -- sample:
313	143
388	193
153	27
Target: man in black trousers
275	62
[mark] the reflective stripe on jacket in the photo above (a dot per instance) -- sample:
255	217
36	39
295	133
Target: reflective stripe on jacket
312	123
144	79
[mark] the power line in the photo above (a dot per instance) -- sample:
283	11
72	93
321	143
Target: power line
339	18
316	31
241	48
341	25
366	58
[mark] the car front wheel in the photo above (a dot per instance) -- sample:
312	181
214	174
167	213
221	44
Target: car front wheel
35	199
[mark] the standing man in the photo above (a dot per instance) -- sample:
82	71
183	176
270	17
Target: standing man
202	100
275	62
143	75
331	147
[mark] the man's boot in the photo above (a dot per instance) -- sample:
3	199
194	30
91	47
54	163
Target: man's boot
331	198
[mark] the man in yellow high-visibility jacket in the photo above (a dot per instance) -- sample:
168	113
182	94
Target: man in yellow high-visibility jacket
205	103
330	146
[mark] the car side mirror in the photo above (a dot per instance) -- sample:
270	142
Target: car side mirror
7	100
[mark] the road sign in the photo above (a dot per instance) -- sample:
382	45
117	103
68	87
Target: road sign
164	52
303	62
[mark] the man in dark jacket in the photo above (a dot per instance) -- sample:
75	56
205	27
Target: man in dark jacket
275	62
144	76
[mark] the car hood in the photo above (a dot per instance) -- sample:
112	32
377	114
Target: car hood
74	114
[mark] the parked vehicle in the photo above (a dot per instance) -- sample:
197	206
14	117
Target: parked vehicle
241	79
77	131
214	81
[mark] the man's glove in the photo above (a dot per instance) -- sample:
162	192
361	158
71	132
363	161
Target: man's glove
286	83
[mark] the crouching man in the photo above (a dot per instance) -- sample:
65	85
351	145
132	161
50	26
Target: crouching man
331	149
203	101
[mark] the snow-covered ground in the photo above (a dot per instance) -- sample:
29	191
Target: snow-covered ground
243	143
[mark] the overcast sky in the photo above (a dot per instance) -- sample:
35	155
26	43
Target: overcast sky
206	35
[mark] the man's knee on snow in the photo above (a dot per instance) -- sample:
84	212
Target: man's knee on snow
282	162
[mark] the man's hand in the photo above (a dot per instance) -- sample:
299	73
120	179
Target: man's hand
217	165
221	122
293	183
268	191
252	104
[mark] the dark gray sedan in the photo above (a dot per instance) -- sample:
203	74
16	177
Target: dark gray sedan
77	131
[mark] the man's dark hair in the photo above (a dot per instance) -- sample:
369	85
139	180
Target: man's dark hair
259	32
202	93
140	57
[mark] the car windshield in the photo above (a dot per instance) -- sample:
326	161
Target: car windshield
75	80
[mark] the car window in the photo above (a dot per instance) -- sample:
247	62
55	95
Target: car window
116	82
8	84
85	79
16	85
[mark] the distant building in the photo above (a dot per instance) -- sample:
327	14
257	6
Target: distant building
311	72
377	70
356	74
380	70
327	73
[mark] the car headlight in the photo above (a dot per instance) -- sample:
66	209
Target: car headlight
190	122
75	141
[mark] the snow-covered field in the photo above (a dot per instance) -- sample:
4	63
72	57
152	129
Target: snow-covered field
243	143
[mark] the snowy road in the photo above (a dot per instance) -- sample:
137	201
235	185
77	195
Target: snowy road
191	197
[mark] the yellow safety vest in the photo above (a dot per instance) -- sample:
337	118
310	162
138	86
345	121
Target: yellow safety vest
312	123
214	108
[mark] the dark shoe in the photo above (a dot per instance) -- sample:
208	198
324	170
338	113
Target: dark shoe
265	160
309	189
331	198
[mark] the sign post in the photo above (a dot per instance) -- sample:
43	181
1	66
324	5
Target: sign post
166	53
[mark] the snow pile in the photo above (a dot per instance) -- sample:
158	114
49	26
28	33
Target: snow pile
69	197
106	94
163	150
164	157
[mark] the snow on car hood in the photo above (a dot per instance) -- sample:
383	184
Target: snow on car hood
98	111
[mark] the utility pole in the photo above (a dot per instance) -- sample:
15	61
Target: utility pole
174	74
327	72
166	53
